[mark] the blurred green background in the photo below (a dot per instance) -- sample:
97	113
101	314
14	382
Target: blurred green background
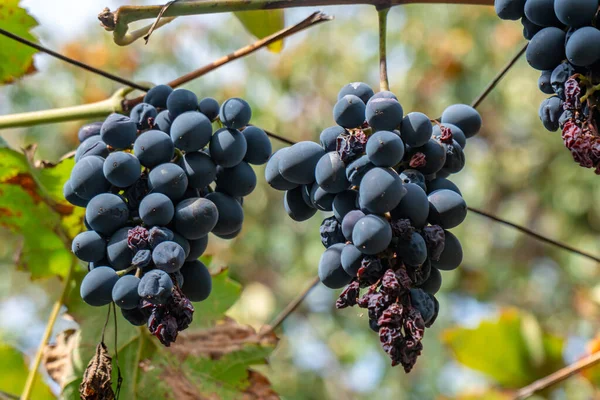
438	55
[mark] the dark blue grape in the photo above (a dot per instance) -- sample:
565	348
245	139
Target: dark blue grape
118	252
357	169
135	316
423	302
435	157
89	130
385	94
541	12
237	181
118	131
209	107
191	131
183	242
142	258
106	213
180	101
143	114
550	111
92	146
349	112
416	129
159	234
509	9
71	197
576	13
295	205
351	259
168	256
343	203
360	89
235	113
350	221
380	190
168	179
87	178
451	256
331	232
229	236
321	199
230	213
122	169
385	149
297	164
529	28
442	183
155	286
384	114
125	292
196	217
197	248
559	76
331	272
413	206
330	173
457	133
272	174
546	49
158	95
97	285
413	176
544	82
372	234
200	169
465	117
328	137
258	146
228	147
446	208
89	246
163	121
455	157
582	47
433	284
412	252
153	148
197	282
156	209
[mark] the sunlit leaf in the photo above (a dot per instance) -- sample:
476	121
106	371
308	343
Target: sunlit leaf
263	23
16	59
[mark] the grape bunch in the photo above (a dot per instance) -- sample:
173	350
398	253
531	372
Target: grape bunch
154	185
384	177
564	45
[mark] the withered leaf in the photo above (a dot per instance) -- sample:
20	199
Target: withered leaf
96	384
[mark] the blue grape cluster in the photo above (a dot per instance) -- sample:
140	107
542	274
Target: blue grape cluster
564	45
384	175
154	185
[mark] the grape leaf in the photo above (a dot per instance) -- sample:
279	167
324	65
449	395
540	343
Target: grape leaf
512	350
14	371
262	23
16	59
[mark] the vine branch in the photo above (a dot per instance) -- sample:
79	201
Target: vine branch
383	74
118	21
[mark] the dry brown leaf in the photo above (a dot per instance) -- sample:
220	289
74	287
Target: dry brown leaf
96	384
58	359
260	388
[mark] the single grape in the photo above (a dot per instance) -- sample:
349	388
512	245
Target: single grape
465	117
96	287
87	177
72	197
343	203
156	209
89	130
272	174
159	234
299	161
143	114
191	131
296	207
442	183
328	137
433	284
372	234
155	286
163	122
451	256
237	181
321	199
446	208
258	145
427	159
89	246
229	236
158	95
351	259
92	146
331	232
197	282
384	114
413	176
455	158
196	217
197	248
209	107
550	111
576	13
541	12
168	179
331	272
330	173
509	9
142	258
384	149
153	148
412	252
122	169
416	129
357	169
118	131
385	94
200	169
380	190
582	47
350	221
544	82
559	76
106	213
135	316
546	49
424	302
529	28
230	213
180	101
168	256
413	206
457	133
125	292
184	243
360	89
228	147
235	113
118	252
349	111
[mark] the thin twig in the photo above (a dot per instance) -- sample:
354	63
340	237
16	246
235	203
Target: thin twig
535	235
488	89
558	376
290	307
73	61
155	25
280	138
383	74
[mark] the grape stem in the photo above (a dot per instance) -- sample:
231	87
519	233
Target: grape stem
31	377
383	75
118	21
126	270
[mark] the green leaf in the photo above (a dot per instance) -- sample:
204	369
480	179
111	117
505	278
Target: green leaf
512	350
263	23
13	374
16	59
37	214
225	292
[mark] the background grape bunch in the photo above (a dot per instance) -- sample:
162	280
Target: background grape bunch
146	182
384	177
564	45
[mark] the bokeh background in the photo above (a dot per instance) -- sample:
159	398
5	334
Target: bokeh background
438	55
